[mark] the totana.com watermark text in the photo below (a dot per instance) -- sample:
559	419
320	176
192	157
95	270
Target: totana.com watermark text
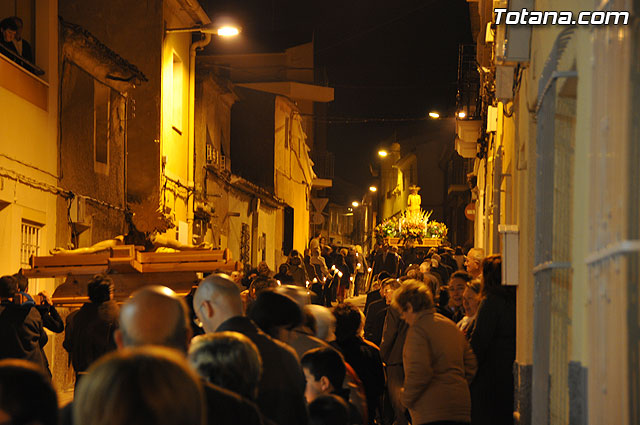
533	17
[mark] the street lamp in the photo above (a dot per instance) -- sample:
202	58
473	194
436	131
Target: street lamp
434	115
355	204
373	189
462	114
382	153
220	30
228	31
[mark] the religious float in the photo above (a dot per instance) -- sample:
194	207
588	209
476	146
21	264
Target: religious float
412	227
141	257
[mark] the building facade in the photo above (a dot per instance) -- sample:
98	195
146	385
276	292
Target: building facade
159	121
266	149
557	169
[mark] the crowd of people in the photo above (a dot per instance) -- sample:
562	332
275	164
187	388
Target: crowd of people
330	272
434	344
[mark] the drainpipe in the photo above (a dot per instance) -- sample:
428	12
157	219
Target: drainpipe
497	183
191	165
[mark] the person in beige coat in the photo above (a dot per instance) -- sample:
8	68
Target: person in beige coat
438	361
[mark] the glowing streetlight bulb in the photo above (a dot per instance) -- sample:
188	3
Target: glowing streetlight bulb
434	115
355	204
462	114
373	189
382	153
228	31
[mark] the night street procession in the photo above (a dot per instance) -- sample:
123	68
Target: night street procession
249	212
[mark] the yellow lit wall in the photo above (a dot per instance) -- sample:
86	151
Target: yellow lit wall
29	134
174	142
597	302
292	168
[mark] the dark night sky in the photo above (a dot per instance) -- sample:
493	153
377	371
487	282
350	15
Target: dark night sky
386	59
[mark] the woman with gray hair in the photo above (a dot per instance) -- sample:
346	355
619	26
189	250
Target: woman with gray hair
229	360
438	361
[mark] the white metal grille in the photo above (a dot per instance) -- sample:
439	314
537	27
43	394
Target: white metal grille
29	242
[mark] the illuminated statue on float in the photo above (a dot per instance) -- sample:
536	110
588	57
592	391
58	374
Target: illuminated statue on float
145	223
414	201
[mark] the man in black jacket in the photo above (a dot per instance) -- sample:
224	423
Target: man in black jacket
361	354
89	332
386	261
218	305
377	312
22	334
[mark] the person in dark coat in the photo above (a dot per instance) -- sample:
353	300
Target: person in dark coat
377	312
50	317
494	343
22	334
394	334
344	273
386	261
278	314
361	354
375	295
22	46
296	269
89	332
282	275
218	305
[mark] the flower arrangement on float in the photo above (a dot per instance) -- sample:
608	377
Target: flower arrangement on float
411	228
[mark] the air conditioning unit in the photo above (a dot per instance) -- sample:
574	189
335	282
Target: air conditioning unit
512	41
492	119
466	149
468	130
509	235
78	210
504	82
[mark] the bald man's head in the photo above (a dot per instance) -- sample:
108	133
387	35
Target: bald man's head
216	300
154	315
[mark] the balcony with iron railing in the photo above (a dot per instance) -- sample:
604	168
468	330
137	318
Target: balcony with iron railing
323	163
457	174
469	102
468	99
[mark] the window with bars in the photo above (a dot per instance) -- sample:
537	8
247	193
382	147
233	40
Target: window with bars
29	242
101	107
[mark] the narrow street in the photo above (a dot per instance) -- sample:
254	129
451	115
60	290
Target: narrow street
329	176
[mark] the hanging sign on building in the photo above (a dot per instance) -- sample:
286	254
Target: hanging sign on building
318	203
470	211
